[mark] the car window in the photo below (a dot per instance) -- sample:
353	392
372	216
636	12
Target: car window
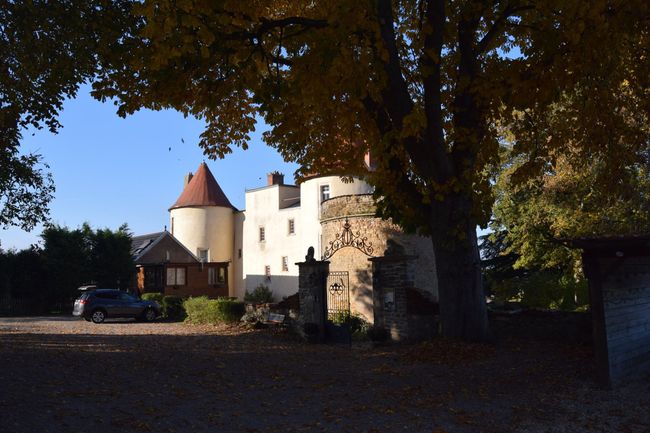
126	297
107	295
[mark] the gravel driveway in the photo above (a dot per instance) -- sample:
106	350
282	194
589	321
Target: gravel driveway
63	375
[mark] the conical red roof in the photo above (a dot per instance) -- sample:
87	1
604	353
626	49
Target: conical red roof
202	190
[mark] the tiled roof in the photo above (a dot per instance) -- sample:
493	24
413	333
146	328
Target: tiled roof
142	245
142	242
202	190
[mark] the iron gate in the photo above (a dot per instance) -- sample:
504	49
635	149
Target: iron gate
338	295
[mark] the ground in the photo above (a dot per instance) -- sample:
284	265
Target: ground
58	374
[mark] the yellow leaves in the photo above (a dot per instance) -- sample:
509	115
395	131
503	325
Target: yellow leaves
414	123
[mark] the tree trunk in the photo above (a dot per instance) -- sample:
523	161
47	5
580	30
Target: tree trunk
463	312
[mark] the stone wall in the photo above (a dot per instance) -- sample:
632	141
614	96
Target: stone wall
312	278
359	210
393	277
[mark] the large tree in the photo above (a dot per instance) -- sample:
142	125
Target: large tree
47	49
425	86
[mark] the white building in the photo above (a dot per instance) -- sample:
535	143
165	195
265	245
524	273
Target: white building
264	242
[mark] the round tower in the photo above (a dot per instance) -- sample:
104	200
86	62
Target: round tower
202	219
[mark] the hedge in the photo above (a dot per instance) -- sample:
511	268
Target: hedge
221	310
173	308
154	296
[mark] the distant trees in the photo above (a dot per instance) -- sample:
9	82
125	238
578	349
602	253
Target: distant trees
46	278
528	256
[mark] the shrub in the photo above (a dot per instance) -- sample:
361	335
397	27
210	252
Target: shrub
154	296
196	309
173	308
229	310
204	310
261	295
358	324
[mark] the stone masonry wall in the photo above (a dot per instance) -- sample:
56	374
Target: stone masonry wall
360	212
312	278
392	276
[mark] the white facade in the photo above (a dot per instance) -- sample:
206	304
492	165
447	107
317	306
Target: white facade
264	242
275	210
206	229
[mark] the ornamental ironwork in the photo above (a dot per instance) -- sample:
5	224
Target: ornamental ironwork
338	295
348	238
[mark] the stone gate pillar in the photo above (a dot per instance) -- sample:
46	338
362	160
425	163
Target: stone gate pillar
391	277
312	279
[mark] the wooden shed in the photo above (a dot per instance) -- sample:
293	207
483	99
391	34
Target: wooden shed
166	266
618	270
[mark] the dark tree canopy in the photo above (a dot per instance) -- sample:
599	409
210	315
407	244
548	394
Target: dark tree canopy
429	87
47	49
426	86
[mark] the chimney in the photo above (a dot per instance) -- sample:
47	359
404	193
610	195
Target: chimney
187	179
275	178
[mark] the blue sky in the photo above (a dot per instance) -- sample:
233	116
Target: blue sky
108	170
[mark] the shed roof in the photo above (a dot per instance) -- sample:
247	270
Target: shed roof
202	190
143	244
140	243
612	242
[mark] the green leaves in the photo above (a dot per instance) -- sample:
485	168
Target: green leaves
25	189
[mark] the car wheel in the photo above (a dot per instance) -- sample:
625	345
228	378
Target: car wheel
98	316
149	315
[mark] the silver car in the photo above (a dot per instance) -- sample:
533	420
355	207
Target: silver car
99	304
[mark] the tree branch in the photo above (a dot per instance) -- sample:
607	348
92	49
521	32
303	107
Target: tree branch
440	166
498	25
291	21
398	102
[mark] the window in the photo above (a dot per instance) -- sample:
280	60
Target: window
240	253
292	226
107	295
262	234
267	272
216	276
285	263
203	255
126	297
324	192
175	276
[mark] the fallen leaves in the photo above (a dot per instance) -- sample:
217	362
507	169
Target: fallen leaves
179	378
